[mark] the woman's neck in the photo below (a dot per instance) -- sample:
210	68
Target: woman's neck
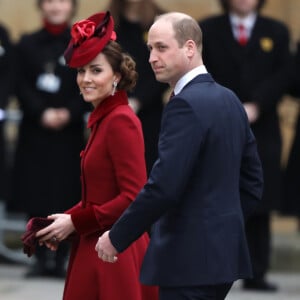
55	29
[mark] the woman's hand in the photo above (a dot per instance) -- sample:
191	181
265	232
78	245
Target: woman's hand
59	230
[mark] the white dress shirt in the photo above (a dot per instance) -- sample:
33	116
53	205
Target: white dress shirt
248	23
185	79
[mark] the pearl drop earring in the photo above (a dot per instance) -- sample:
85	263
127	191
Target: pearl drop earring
115	84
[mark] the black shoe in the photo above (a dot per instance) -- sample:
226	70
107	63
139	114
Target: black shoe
259	285
58	273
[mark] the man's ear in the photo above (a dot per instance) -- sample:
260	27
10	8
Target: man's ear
190	48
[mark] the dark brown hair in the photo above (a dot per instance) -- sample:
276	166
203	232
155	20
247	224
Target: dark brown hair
121	63
149	10
225	4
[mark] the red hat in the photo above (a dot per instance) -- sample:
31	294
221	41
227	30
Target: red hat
89	37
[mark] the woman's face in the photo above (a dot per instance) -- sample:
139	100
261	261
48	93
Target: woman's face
95	80
57	11
243	7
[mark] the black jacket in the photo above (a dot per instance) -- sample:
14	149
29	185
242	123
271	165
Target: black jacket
148	91
47	165
291	188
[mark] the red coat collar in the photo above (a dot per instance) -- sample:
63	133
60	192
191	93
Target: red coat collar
55	29
106	106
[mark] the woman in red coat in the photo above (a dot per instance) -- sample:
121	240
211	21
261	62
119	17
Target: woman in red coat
112	166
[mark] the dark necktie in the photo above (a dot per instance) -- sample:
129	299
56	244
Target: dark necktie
171	95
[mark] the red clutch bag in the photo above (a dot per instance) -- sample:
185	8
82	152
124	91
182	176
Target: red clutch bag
29	239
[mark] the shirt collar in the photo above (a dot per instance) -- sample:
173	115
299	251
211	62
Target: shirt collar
185	79
247	21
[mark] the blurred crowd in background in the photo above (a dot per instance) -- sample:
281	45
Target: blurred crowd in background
40	171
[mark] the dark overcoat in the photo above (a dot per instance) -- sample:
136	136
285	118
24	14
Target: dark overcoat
256	73
291	187
46	175
148	91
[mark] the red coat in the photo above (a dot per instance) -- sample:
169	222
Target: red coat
113	172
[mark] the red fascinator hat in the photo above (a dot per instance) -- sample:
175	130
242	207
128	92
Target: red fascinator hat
88	38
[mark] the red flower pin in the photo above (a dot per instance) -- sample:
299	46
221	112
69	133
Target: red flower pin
82	30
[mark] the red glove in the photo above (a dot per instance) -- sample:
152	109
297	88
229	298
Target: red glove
28	238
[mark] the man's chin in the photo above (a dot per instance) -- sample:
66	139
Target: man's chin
161	78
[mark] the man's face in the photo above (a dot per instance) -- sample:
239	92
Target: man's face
243	7
168	60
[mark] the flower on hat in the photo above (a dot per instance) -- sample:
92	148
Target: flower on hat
82	30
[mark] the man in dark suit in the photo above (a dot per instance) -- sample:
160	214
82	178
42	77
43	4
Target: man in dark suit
249	54
207	178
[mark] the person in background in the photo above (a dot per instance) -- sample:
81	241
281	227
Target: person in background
112	168
6	80
46	175
133	19
205	183
249	54
291	188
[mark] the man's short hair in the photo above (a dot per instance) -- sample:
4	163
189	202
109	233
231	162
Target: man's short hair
185	28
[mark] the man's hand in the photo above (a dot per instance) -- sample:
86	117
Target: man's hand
106	251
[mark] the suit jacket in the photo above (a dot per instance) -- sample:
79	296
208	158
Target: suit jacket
257	73
207	177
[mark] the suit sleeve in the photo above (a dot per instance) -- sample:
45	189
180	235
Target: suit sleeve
251	177
179	146
126	148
